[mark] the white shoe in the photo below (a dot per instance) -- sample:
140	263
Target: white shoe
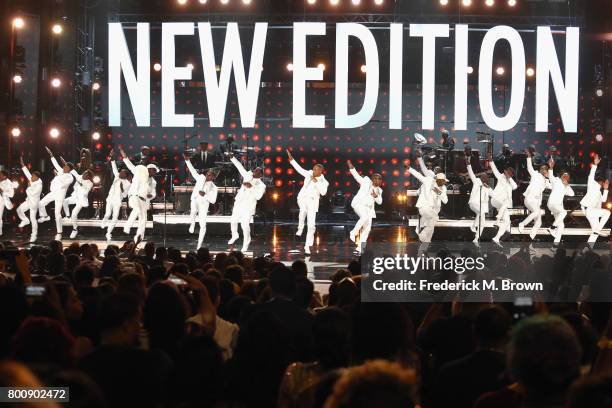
472	228
43	219
521	228
126	230
353	236
244	249
307	250
496	241
33	238
299	232
109	237
475	240
103	225
192	228
533	233
233	239
58	237
73	234
23	223
66	218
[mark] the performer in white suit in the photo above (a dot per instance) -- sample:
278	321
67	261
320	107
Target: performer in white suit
140	194
204	193
501	198
245	202
363	203
59	185
431	197
479	199
559	188
33	192
117	193
592	200
315	186
533	195
79	198
6	193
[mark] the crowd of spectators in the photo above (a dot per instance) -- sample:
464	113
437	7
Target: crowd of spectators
155	327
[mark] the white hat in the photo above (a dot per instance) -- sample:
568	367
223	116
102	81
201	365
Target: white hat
152	166
420	139
441	176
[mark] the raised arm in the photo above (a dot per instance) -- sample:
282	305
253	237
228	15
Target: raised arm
194	173
426	172
354	172
472	175
496	172
530	169
76	176
114	167
26	172
416	174
240	167
127	161
304	173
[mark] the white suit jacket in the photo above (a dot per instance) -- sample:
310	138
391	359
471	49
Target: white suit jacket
559	190
61	182
119	188
81	189
246	196
310	191
479	196
593	197
427	196
34	189
202	185
7	193
364	198
537	184
503	189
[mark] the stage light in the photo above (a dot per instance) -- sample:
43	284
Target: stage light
609	206
181	2
489	3
17	78
500	71
95	86
18	22
95	135
444	2
246	2
321	66
224	1
466	3
275	196
599	92
157	66
512	3
470	70
190	66
530	72
378	2
202	1
56	82
599	137
363	68
312	1
356	2
334	2
57	29
290	67
96	179
16	132
54	132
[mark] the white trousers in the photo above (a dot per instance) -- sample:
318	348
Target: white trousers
559	213
309	215
242	216
597	218
201	207
535	215
364	223
503	216
479	220
139	212
78	205
33	209
59	201
112	211
1	215
429	217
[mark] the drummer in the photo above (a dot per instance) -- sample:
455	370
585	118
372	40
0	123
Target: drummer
204	157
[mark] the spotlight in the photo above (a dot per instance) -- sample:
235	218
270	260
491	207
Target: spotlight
56	82
321	66
312	1
470	70
224	1
356	2
599	137
190	66
500	70
17	78
95	86
275	196
334	2
599	92
95	135
18	22
246	1
54	132
290	66
444	2
466	3
57	29
16	132
181	2
530	72
96	179
489	3
157	66
512	3
364	68
202	1
378	2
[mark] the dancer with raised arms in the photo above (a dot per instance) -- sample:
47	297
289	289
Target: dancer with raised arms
33	191
363	203
203	195
58	188
593	199
560	188
533	195
116	194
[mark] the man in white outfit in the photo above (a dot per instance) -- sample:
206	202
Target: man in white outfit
6	193
315	185
363	203
59	185
33	192
479	199
117	193
501	199
245	202
79	198
592	200
204	193
431	197
559	188
141	192
533	196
